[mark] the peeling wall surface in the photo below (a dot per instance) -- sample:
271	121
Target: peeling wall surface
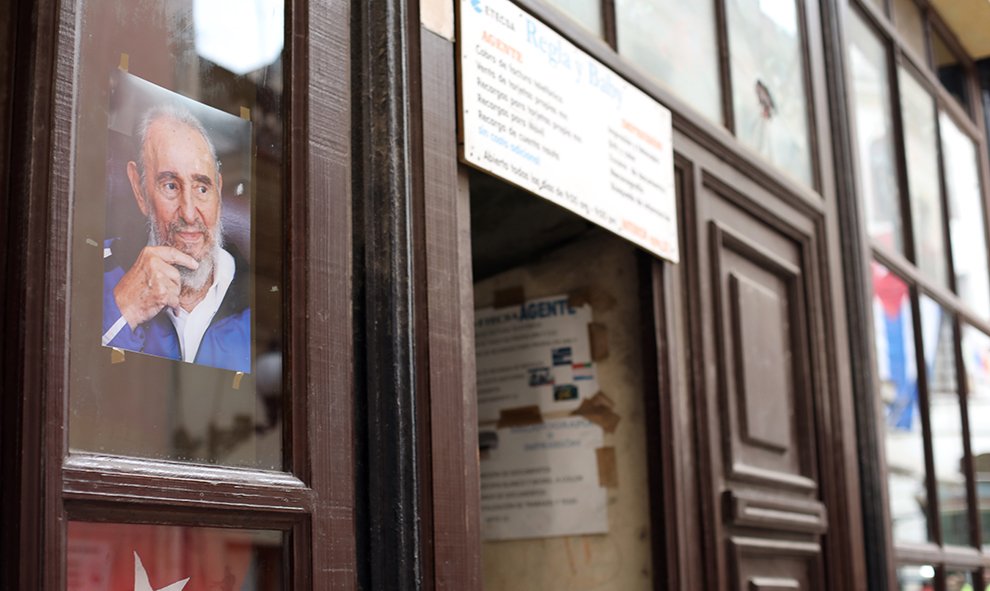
604	267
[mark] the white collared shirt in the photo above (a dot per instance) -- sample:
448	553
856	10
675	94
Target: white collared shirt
192	325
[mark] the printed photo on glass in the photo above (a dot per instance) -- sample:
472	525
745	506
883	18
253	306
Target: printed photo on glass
177	275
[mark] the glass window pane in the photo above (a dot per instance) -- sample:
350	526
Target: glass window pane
949	69
911	25
966	220
916	577
769	99
674	42
921	152
874	133
111	557
976	357
897	372
177	246
586	12
945	415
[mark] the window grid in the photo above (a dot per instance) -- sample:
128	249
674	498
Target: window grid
948	562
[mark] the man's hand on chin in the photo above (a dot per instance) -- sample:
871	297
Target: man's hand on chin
151	283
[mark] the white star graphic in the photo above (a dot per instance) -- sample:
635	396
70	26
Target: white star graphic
141	582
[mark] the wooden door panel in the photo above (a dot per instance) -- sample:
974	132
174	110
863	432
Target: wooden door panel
762	385
761	565
757	260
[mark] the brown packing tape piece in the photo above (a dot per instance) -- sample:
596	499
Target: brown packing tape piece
599	414
600	300
608	472
598	337
125	62
116	355
602	399
510	296
579	297
237	380
245	113
519	417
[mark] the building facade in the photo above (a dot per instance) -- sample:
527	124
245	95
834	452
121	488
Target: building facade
795	396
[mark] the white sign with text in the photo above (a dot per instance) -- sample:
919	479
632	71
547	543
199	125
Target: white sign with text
542	114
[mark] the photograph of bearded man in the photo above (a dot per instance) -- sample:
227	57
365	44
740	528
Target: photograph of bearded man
184	296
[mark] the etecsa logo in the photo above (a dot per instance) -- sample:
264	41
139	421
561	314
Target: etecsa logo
476	5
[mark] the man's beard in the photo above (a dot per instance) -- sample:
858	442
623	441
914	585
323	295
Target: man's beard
190	279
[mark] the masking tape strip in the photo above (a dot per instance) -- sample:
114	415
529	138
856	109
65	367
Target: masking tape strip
116	355
125	62
608	472
510	296
519	417
598	337
245	113
237	380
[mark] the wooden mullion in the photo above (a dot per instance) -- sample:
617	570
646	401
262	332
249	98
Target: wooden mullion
610	29
138	512
325	549
900	153
873	564
923	401
724	65
452	413
968	465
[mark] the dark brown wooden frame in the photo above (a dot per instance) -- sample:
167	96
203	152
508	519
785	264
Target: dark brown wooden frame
44	485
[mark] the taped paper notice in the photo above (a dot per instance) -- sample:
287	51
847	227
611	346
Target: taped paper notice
538	353
543	480
116	355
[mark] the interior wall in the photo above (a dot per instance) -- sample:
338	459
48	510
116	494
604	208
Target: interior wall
606	268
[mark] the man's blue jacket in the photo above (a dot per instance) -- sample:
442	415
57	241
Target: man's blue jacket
226	343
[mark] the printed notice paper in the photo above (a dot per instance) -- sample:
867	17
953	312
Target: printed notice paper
539	471
542	114
542	480
536	353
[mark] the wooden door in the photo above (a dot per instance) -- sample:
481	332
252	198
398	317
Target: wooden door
760	356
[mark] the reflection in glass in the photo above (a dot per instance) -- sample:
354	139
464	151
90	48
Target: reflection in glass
112	556
949	69
921	152
976	357
945	416
769	98
586	12
916	577
897	372
674	42
874	134
966	220
911	25
199	381
958	580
